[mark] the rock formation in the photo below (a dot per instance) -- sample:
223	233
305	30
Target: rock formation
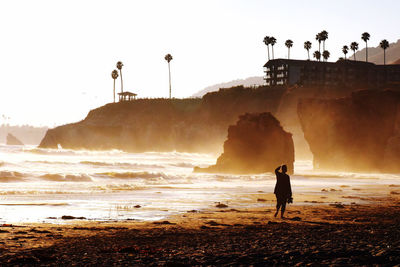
185	125
356	133
287	112
30	135
256	144
12	140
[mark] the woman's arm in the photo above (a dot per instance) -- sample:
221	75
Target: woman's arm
277	170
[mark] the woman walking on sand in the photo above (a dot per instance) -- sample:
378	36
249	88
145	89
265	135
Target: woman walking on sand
283	190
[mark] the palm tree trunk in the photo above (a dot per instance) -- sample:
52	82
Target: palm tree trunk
384	56
354	51
169	71
268	52
319	46
288	55
323	45
114	91
122	84
366	53
308	52
273	57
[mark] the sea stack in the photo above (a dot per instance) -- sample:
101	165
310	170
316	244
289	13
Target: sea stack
358	133
256	144
12	140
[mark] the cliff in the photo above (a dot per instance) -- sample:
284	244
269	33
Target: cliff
186	125
12	140
287	111
257	143
356	133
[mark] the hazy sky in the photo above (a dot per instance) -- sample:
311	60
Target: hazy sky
56	57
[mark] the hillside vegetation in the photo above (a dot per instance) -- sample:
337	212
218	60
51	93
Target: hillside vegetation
375	54
248	82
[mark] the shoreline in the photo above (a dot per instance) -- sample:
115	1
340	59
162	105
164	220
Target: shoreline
237	198
217	236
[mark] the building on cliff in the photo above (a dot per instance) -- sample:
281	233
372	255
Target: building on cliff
126	96
341	73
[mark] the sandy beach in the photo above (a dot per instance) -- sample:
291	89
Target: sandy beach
313	234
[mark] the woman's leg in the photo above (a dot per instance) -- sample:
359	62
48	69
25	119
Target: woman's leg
278	205
283	208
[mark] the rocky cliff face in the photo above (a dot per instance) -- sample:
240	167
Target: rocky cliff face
12	140
356	133
256	144
187	125
287	112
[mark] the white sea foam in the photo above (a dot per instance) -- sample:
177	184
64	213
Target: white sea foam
131	175
183	165
120	164
66	177
95	184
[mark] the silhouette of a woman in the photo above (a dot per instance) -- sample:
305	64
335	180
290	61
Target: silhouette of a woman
283	190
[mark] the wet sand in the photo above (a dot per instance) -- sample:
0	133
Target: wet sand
321	232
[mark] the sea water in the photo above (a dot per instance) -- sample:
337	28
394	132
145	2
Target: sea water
42	185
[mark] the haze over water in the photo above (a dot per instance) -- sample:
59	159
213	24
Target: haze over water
41	185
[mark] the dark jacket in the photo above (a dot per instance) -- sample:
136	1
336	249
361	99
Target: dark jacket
282	186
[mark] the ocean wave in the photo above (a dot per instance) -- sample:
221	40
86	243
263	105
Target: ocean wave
34	204
66	177
123	175
156	181
175	153
183	165
47	162
11	176
120	164
71	152
117	187
342	175
33	192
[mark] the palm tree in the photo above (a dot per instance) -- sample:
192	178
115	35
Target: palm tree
272	41
168	58
345	50
318	37
267	42
384	44
289	44
326	55
317	55
324	37
307	46
119	66
354	47
114	75
365	36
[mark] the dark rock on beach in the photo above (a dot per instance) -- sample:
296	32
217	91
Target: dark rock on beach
68	217
256	144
